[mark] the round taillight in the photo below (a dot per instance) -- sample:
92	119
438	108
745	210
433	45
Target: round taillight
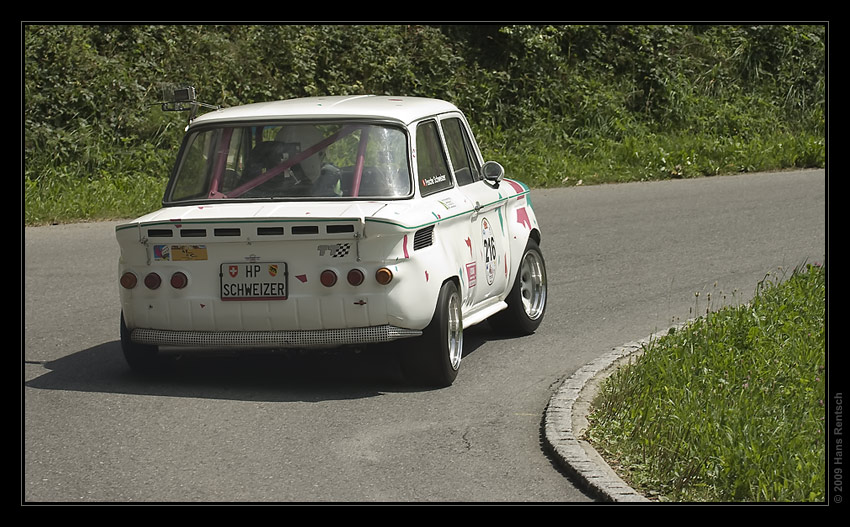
328	278
356	277
153	281
179	280
384	276
128	280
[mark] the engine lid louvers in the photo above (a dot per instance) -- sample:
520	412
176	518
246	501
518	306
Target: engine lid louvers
160	233
318	230
227	232
193	233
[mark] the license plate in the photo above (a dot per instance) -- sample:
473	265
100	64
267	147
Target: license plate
253	281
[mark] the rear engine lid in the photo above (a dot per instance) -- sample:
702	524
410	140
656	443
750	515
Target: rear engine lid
237	221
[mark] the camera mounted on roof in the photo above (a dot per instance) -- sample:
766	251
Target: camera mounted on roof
183	98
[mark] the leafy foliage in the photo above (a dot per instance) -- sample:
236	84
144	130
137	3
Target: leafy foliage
574	102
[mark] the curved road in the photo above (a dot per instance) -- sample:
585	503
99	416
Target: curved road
623	261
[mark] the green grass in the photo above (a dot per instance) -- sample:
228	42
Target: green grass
129	181
123	183
551	158
730	408
67	200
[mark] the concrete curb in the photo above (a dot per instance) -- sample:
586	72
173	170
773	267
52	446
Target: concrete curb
565	421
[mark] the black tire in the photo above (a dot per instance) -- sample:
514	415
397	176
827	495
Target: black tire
435	358
527	299
142	358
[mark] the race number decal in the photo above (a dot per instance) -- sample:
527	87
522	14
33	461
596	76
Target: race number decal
489	250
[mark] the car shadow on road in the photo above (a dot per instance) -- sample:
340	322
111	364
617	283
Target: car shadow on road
312	376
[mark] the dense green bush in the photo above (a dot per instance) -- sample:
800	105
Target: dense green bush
558	104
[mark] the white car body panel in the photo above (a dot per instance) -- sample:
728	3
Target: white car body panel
477	234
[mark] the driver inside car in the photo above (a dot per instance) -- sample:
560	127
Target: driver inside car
297	180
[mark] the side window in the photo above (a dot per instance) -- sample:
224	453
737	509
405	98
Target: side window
196	166
460	151
433	170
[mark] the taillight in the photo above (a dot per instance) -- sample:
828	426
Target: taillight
153	281
179	280
356	277
384	276
128	280
328	278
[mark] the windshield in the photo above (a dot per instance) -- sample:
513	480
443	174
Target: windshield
283	160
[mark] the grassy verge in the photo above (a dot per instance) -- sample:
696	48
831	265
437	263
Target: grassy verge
112	185
548	157
729	409
69	200
129	182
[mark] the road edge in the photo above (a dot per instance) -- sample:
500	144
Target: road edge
565	421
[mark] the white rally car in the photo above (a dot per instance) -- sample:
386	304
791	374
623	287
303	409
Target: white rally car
328	222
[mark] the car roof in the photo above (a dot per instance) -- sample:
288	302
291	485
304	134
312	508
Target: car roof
403	109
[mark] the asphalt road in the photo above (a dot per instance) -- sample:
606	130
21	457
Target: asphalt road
623	261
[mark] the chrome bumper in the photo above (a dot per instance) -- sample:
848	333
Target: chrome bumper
272	339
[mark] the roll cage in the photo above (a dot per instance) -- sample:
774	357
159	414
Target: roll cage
304	159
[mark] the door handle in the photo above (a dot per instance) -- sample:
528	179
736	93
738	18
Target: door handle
476	210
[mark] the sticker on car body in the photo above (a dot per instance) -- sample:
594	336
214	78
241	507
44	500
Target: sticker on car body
179	253
336	250
471	274
489	250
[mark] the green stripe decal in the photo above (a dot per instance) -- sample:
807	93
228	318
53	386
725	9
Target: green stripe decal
315	220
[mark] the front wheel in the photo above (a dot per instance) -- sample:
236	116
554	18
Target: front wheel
435	358
527	299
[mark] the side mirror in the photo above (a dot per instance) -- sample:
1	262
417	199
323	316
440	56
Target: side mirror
184	94
178	99
493	173
181	99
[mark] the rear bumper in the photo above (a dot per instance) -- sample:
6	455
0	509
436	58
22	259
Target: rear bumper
321	338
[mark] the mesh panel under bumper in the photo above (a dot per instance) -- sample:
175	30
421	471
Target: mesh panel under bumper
272	339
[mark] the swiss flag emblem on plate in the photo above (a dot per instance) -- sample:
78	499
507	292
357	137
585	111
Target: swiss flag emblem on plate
233	270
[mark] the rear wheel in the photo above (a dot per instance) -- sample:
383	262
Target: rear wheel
141	358
527	299
435	358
